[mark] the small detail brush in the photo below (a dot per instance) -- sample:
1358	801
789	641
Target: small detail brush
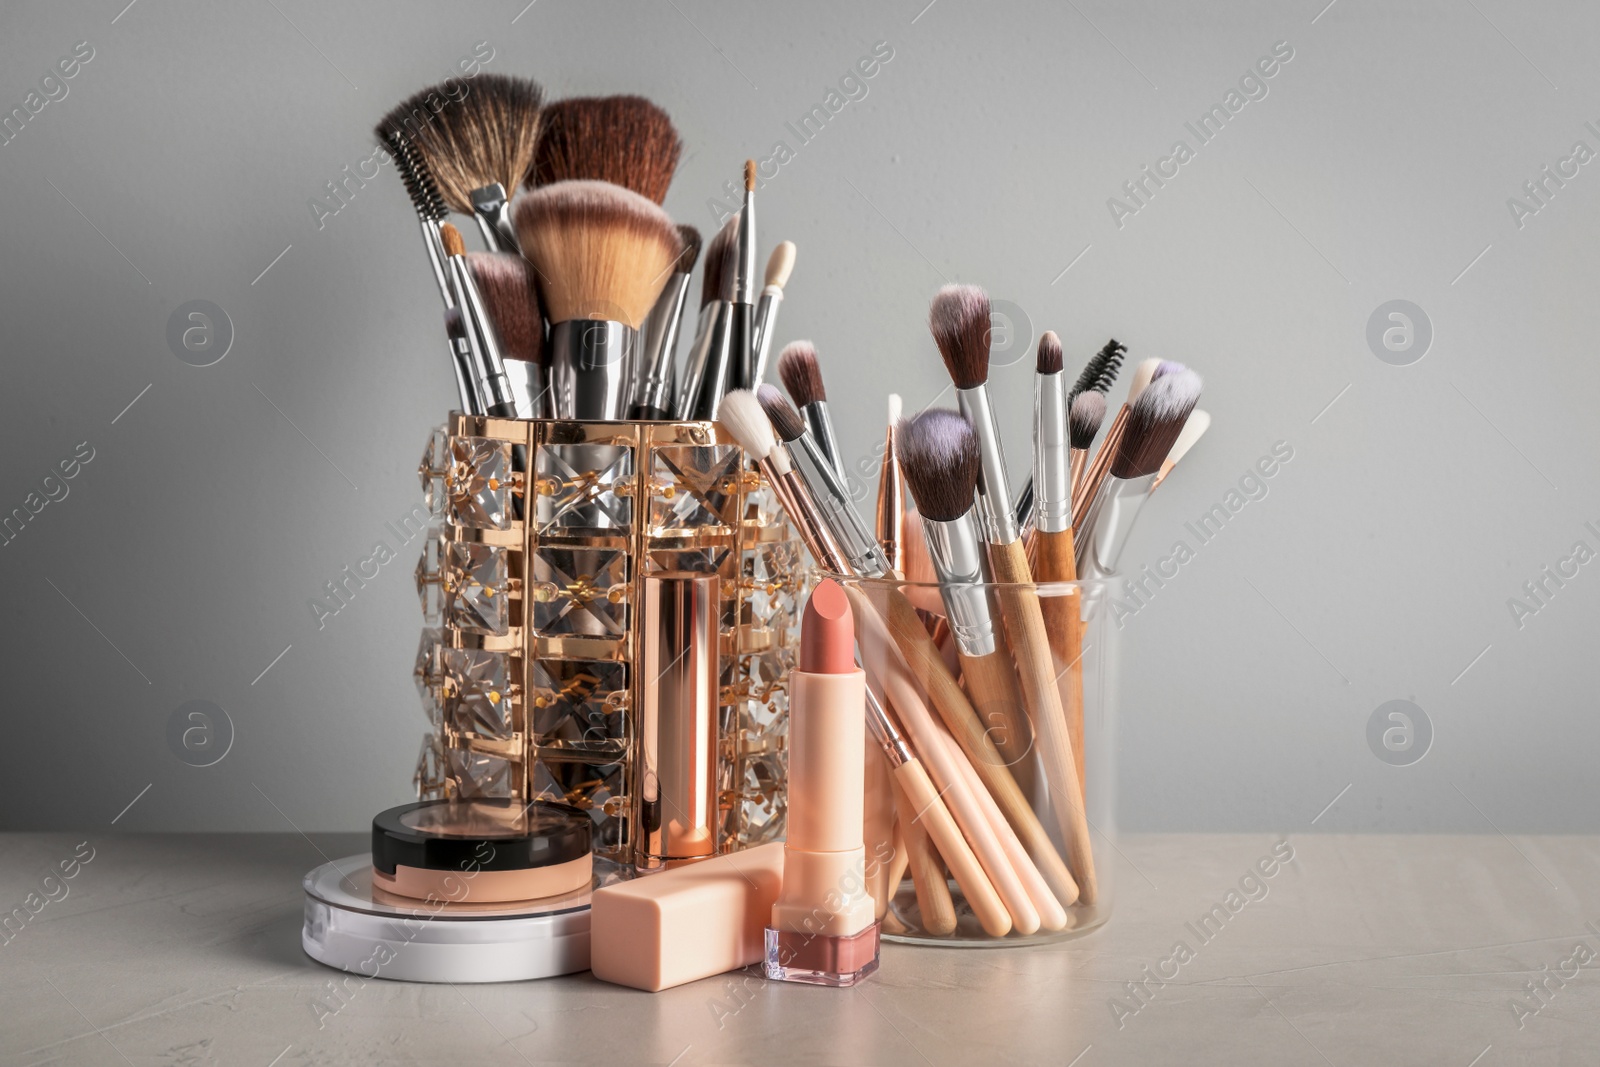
455	329
712	321
506	282
743	321
603	254
489	369
801	374
624	140
655	389
779	266
1084	419
891	493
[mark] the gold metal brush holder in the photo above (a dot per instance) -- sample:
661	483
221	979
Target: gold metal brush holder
532	588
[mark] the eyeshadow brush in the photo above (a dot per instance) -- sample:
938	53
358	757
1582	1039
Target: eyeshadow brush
656	385
801	374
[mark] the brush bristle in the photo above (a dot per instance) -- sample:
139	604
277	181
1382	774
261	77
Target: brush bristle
1049	360
895	405
474	139
507	283
785	419
602	252
1194	428
959	319
1143	375
454	324
625	140
1088	411
419	184
726	239
749	175
801	373
690	239
1155	420
450	237
741	413
1101	370
780	264
1164	368
939	458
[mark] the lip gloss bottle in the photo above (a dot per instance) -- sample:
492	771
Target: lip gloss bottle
824	929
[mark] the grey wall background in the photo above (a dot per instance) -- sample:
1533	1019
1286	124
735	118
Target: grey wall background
1379	566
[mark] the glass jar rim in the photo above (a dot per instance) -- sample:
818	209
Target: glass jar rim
1042	588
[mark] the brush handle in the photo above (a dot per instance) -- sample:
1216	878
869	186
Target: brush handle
1051	915
927	813
991	683
1024	621
929	667
877	824
741	362
897	865
1098	468
928	876
1063	620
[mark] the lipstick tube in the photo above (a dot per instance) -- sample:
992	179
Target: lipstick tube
677	745
824	927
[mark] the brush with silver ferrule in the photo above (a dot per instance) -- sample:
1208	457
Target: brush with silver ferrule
1097	376
655	385
711	320
505	282
742	328
801	374
455	330
602	254
489	370
1095	472
477	141
1155	421
860	547
959	319
1052	473
779	266
714	365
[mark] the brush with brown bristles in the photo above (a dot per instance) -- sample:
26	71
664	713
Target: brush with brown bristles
960	321
1143	374
712	326
801	374
477	145
511	296
602	254
655	385
1155	422
624	140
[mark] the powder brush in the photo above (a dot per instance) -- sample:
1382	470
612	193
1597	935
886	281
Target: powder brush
801	374
959	319
602	254
625	140
478	145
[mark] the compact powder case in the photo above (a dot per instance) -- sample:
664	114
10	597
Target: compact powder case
483	851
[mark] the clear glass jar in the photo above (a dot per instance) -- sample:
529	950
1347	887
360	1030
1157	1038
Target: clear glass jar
1005	696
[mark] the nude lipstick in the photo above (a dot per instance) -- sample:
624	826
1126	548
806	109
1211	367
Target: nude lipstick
824	929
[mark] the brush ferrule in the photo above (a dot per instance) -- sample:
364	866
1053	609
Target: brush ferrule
891	504
589	361
658	344
461	361
527	387
489	368
492	210
435	247
861	549
695	364
1107	523
821	426
766	322
883	729
703	397
1052	466
957	555
744	277
741	330
994	496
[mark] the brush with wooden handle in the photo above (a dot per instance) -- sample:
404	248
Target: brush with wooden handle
1085	490
960	322
938	908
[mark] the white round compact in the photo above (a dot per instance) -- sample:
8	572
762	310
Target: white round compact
351	925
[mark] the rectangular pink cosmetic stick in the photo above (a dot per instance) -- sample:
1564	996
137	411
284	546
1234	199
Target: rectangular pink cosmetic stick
685	923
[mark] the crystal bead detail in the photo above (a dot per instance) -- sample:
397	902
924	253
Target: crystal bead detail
477	696
475	588
580	591
696	486
584	488
480	483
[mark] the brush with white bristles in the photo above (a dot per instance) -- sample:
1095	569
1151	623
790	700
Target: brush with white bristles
1199	422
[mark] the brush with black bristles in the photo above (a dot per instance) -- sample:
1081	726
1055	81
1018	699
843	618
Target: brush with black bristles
602	254
624	140
712	321
1155	421
715	360
478	145
511	296
656	383
861	548
960	321
801	374
429	205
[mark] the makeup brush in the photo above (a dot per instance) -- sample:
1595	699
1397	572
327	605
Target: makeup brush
779	266
936	907
861	549
429	205
624	140
478	146
891	493
743	298
1084	418
711	355
1143	374
801	374
603	254
1194	429
654	393
455	330
489	371
1155	420
959	319
939	455
1100	372
1052	473
506	282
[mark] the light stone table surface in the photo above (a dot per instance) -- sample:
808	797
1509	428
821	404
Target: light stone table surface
1360	950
